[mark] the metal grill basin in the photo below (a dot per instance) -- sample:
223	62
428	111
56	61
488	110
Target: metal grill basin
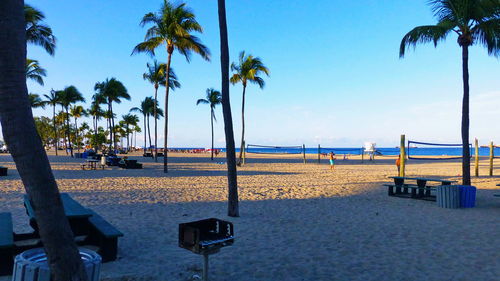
208	235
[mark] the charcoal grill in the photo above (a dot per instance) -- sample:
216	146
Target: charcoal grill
206	237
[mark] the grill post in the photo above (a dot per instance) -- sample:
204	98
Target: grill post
205	266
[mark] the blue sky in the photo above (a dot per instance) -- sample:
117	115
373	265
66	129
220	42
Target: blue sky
336	78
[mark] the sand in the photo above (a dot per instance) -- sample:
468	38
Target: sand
298	222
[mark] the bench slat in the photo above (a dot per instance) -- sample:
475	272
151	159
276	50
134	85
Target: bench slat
104	227
6	231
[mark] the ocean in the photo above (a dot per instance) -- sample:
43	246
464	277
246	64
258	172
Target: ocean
421	151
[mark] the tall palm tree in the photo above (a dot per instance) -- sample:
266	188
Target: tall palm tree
70	95
232	177
36	101
213	99
77	112
26	148
96	112
53	100
38	33
129	120
144	109
156	76
475	22
34	71
114	91
247	70
171	26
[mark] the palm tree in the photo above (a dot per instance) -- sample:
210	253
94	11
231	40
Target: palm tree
26	148
129	120
475	22
70	95
144	110
156	76
213	99
77	112
232	177
172	27
38	33
36	101
53	100
114	91
34	71
96	112
247	70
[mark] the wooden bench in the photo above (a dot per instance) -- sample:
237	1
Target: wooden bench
104	236
6	244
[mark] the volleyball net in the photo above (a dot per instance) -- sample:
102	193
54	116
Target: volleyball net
416	150
350	151
269	149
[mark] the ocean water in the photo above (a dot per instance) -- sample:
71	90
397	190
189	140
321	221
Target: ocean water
420	151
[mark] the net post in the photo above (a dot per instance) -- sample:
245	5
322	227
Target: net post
304	152
402	156
244	153
492	154
319	153
476	147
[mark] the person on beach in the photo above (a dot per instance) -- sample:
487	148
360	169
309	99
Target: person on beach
398	163
332	160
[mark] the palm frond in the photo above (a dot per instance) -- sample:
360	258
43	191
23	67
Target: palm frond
424	34
487	33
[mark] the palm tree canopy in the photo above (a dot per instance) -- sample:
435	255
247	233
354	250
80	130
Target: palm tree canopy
147	108
213	98
112	90
78	111
34	71
248	69
130	120
474	21
53	98
70	95
156	75
38	33
36	101
172	26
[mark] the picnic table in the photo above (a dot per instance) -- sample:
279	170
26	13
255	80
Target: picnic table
420	190
88	227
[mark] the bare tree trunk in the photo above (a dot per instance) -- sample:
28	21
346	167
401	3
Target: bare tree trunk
20	134
165	141
156	122
113	126
145	139
242	125
233	208
149	133
465	118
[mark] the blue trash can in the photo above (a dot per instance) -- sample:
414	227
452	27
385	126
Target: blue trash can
467	196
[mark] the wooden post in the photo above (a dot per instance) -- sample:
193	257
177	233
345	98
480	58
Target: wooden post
402	152
304	152
476	146
362	154
492	155
319	154
244	153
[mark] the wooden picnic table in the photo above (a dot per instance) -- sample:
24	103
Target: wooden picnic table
424	190
93	163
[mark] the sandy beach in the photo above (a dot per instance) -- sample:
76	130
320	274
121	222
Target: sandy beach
298	221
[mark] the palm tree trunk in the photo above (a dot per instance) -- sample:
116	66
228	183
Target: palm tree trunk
149	133
212	126
128	144
145	130
113	126
465	118
55	126
76	136
68	132
25	146
165	141
242	125
156	123
233	208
